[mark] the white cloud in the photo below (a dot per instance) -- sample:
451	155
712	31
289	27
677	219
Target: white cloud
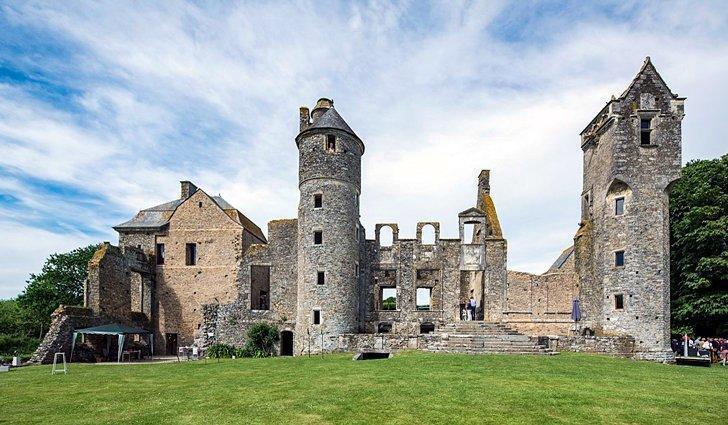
180	91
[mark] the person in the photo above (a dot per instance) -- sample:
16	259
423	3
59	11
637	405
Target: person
473	306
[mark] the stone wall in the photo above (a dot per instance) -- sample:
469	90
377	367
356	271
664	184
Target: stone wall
615	345
59	337
541	304
229	322
618	165
183	289
335	175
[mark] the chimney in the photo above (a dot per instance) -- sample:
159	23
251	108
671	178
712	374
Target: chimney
304	118
322	105
483	184
188	189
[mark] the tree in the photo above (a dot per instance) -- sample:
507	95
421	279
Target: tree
60	281
699	248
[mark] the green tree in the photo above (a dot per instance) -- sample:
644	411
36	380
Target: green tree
60	281
699	248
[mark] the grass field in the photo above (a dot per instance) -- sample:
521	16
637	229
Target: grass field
411	388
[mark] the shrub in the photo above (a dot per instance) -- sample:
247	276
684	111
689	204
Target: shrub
262	339
222	351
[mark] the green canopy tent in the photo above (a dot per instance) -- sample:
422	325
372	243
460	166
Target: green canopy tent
120	331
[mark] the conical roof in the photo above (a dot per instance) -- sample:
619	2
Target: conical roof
332	119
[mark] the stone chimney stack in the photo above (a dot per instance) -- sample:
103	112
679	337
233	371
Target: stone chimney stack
322	105
304	118
188	189
483	184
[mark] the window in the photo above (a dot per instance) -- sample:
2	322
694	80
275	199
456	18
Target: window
356	269
384	327
388	298
619	206
331	143
191	254
199	205
320	278
386	236
427	327
318	237
618	301
160	253
424	297
427	235
317	200
645	131
317	317
260	287
619	258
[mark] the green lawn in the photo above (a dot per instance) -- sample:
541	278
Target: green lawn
411	388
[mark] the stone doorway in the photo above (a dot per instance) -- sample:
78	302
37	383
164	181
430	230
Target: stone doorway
286	343
471	285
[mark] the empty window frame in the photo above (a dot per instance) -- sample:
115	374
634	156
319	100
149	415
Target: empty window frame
618	301
645	131
619	206
318	237
619	258
191	254
159	253
356	269
318	200
331	143
388	298
384	327
320	278
427	327
317	317
259	287
424	298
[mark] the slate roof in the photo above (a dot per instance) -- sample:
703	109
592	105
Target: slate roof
565	254
154	218
332	119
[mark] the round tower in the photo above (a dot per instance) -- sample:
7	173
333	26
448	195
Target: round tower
328	228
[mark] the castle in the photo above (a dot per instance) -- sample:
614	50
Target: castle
197	271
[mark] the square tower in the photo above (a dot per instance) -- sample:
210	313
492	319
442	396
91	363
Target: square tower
632	155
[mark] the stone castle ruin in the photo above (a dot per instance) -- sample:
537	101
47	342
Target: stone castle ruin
197	271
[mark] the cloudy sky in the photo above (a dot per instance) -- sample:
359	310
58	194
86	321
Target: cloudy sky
105	106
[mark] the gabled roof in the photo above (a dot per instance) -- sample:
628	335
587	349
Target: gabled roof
154	218
472	212
647	65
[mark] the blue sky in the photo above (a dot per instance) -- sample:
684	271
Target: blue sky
105	106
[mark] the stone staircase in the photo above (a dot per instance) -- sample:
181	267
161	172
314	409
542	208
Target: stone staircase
483	338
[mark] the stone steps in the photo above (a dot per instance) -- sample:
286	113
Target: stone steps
484	338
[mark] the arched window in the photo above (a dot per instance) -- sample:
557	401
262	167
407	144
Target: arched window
386	236
428	234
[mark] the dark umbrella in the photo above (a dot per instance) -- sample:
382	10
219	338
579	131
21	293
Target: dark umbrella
575	311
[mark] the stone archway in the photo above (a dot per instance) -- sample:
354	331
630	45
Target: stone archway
286	343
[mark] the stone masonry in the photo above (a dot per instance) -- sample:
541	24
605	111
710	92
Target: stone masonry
196	270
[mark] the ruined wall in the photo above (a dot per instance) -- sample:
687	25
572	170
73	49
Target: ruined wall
142	240
229	322
183	289
59	337
541	304
407	265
